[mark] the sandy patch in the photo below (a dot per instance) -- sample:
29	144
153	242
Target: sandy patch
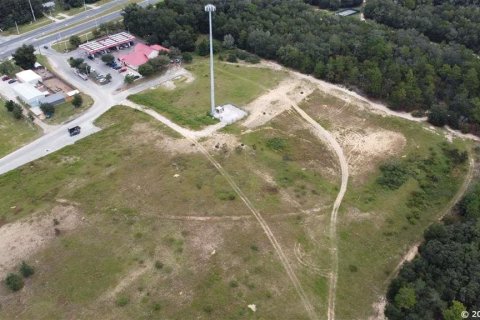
206	241
169	85
277	100
144	133
221	142
19	240
364	149
379	308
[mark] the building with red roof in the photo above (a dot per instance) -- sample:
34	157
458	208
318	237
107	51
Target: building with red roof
141	54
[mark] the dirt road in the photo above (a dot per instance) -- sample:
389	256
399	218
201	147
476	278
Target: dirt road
324	135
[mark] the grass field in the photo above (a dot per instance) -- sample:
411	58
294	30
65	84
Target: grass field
123	180
14	133
189	103
66	111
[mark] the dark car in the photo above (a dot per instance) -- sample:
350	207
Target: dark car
12	81
5	78
74	131
117	67
91	57
122	70
45	47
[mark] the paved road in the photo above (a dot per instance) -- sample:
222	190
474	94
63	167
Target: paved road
35	37
104	98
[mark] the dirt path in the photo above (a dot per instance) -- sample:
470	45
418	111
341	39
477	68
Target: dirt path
276	245
324	135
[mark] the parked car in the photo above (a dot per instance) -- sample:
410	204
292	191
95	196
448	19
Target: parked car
45	47
12	81
74	131
5	78
122	70
117	67
91	57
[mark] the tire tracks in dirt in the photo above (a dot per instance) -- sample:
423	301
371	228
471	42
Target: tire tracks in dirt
326	136
268	232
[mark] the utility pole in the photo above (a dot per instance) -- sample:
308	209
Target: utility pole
31	8
85	5
16	26
211	8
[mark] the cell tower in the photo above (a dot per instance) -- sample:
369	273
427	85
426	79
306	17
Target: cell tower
211	8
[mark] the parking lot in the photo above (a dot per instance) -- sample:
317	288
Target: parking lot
101	68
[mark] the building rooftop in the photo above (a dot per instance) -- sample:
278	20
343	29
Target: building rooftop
141	54
28	76
27	91
104	43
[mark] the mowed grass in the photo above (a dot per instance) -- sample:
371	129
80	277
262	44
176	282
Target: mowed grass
189	104
66	111
128	259
14	133
377	225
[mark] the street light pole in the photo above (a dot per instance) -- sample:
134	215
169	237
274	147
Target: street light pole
31	8
211	8
85	5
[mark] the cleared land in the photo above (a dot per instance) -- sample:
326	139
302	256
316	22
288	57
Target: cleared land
14	133
155	231
138	189
189	103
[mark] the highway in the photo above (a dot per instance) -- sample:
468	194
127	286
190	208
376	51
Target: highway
53	31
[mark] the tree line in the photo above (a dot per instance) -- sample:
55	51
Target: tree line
444	22
401	67
444	279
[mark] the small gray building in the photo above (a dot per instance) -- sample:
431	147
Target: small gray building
54	99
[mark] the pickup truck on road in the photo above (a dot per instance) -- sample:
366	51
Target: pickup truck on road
74	131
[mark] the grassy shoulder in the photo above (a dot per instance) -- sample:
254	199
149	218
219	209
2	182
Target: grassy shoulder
41	22
14	133
189	103
66	111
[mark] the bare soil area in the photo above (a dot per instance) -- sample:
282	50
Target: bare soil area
21	239
277	100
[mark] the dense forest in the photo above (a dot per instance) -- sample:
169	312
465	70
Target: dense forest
444	22
402	67
19	11
444	279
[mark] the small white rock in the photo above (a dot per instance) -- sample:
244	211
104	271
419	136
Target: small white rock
176	175
252	307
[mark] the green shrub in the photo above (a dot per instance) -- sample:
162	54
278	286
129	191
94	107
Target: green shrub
232	58
226	195
277	144
26	270
158	265
14	282
122	301
394	175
